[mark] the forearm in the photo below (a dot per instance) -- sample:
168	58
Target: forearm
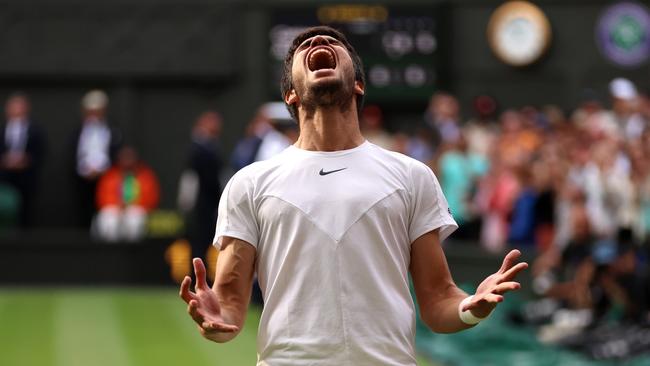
440	311
232	286
233	311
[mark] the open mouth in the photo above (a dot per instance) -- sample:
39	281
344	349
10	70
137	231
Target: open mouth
321	58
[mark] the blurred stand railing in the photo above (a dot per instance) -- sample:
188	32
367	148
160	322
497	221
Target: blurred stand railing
72	257
62	257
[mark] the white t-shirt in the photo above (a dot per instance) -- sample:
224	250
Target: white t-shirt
333	233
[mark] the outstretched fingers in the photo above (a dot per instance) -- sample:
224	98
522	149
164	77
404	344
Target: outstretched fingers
493	298
509	260
490	292
504	287
185	292
207	325
199	270
219	327
512	272
193	310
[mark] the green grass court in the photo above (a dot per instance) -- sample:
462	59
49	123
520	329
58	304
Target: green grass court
111	327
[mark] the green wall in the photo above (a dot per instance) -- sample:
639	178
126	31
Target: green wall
163	62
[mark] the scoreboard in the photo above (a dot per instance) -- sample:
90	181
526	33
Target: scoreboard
401	47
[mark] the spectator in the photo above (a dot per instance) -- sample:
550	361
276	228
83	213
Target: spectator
21	154
644	108
640	161
626	104
620	283
522	224
419	146
200	187
590	104
566	275
125	194
443	116
495	197
283	133
372	127
460	172
517	141
440	128
618	194
546	172
481	131
95	143
246	148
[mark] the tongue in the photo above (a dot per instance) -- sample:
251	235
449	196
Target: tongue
321	59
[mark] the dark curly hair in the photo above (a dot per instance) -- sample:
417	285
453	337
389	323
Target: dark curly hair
287	83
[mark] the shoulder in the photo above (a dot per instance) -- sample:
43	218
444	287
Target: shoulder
416	177
259	168
146	171
401	162
254	174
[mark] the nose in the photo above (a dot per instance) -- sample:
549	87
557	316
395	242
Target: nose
318	41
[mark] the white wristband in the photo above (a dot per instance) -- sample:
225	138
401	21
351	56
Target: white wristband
466	316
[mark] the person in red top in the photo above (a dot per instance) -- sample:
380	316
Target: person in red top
125	194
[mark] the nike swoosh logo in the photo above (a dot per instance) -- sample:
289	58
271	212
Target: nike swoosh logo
322	172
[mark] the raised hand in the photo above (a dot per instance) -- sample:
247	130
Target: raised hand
203	305
490	292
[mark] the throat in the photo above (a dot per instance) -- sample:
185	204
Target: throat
326	131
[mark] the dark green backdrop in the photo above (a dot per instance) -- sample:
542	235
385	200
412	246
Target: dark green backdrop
163	62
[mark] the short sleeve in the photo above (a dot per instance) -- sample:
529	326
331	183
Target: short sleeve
236	216
429	208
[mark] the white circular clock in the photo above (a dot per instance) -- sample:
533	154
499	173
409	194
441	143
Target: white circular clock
519	33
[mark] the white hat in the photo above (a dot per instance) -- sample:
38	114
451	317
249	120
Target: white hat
94	99
622	88
277	112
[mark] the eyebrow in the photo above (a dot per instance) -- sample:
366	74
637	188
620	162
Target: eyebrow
306	41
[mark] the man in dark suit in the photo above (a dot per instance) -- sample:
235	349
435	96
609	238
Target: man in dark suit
21	153
95	144
204	167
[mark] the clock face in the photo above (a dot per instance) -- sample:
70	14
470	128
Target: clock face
519	33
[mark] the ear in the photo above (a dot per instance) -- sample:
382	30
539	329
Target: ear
359	88
291	97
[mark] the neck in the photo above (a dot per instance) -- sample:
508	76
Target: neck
329	129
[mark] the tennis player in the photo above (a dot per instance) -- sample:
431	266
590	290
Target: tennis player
333	226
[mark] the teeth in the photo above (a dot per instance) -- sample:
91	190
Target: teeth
321	59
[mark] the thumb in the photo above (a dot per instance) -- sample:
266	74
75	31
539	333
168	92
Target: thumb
469	305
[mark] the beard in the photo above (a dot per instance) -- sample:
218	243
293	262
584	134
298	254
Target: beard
326	95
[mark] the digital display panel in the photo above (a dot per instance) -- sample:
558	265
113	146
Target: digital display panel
401	47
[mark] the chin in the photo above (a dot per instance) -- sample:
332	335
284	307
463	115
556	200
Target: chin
326	85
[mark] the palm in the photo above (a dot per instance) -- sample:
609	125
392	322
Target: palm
203	304
490	292
208	305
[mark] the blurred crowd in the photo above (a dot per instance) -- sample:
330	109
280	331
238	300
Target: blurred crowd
115	190
571	187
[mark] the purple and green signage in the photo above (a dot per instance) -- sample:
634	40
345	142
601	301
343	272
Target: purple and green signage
623	34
